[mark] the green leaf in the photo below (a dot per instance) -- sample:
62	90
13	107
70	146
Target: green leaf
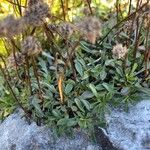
79	68
86	49
68	88
93	89
74	108
63	108
145	90
103	74
71	122
62	121
79	104
85	76
83	123
108	45
56	113
47	55
86	104
43	65
109	62
134	68
108	96
87	95
119	71
37	106
82	62
108	87
52	89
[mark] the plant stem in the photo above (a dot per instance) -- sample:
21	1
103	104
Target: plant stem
19	8
88	2
14	55
5	67
130	4
14	45
117	10
147	51
137	38
37	78
28	75
14	3
12	92
119	23
64	13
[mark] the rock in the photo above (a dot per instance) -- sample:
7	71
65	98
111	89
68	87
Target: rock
130	130
125	131
17	134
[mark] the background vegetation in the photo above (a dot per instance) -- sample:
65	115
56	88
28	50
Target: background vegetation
67	62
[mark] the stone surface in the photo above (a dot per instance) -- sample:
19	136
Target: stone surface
130	130
17	134
126	131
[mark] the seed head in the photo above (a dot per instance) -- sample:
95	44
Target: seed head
31	46
10	26
33	2
146	7
18	60
36	14
86	11
119	51
66	29
53	27
129	24
90	27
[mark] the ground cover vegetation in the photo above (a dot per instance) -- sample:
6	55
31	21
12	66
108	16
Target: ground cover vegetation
65	63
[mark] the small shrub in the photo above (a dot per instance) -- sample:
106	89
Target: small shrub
68	74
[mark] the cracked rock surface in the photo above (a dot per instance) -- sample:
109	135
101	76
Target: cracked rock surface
17	134
130	130
125	131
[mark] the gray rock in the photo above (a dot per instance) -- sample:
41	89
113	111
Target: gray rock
130	130
126	131
17	134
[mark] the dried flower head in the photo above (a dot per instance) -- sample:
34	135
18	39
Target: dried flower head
146	4
18	60
86	11
119	51
10	26
36	14
129	24
31	46
65	29
53	27
33	2
90	27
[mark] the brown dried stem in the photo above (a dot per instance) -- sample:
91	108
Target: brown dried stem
119	23
130	4
12	92
28	75
89	5
37	77
64	13
5	67
147	52
14	3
